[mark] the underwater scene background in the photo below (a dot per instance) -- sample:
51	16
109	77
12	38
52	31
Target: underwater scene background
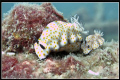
23	24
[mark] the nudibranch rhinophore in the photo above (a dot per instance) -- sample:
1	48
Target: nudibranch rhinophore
63	36
59	36
92	42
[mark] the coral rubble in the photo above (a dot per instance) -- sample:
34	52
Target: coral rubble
101	63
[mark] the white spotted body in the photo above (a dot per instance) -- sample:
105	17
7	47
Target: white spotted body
92	42
61	36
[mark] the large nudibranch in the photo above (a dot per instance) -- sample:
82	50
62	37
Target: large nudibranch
63	36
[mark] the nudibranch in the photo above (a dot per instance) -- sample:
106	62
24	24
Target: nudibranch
59	36
92	42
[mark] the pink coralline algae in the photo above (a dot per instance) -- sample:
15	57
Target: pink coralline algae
12	68
25	21
24	69
61	66
8	62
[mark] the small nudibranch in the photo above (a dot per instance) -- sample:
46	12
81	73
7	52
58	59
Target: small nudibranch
92	42
59	36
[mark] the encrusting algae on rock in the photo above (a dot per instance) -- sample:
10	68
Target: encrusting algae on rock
23	22
26	22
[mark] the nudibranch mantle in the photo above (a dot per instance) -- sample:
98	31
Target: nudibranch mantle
92	42
62	36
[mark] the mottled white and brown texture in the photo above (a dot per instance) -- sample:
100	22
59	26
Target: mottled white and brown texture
62	36
92	42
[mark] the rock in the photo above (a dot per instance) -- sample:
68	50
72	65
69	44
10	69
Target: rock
25	21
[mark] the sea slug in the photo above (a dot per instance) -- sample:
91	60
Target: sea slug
63	36
59	36
92	42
